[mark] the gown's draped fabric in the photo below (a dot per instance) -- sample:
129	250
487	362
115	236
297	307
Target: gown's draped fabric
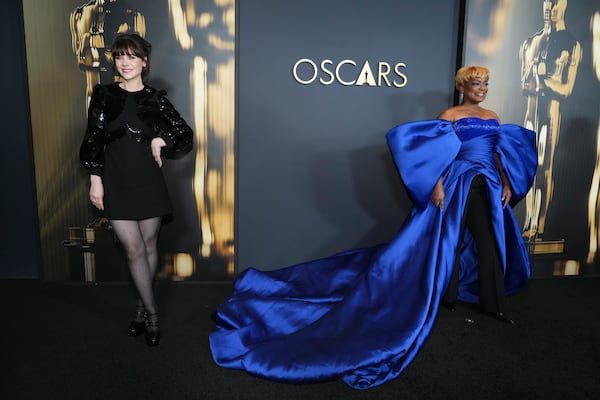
362	315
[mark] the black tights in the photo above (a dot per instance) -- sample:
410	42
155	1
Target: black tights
478	219
139	239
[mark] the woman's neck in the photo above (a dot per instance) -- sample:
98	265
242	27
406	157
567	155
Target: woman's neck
470	103
132	85
473	110
474	107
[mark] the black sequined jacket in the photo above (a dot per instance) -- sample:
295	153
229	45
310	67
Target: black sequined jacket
153	108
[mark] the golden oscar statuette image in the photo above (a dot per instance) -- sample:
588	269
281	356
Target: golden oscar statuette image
90	23
206	32
594	196
549	63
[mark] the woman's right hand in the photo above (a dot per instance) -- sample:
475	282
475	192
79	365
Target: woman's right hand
97	192
438	194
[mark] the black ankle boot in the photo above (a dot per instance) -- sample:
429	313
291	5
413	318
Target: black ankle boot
138	325
152	330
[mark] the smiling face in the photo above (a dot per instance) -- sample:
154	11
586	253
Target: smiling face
130	55
472	82
474	91
129	66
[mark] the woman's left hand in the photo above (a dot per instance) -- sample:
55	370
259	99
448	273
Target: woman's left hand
506	195
156	145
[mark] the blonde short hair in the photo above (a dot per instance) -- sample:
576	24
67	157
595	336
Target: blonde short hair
471	73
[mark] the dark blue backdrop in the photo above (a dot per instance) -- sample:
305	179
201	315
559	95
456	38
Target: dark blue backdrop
19	242
314	175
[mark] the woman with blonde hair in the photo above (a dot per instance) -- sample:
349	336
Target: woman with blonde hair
362	315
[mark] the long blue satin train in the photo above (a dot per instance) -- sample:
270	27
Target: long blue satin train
363	314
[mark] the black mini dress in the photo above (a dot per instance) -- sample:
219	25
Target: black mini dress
134	185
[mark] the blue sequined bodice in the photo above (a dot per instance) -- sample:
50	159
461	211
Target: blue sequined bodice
469	128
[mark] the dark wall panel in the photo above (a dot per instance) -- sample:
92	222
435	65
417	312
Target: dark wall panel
19	247
314	173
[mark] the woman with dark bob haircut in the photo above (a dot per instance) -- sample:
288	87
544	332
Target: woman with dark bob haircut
131	127
132	44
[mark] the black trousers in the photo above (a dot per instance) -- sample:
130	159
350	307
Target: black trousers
477	218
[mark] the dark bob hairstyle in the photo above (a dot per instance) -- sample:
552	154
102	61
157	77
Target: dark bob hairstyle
132	44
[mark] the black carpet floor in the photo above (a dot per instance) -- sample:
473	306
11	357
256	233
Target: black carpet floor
69	341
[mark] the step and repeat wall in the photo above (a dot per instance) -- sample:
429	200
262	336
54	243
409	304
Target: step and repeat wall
193	58
290	102
324	181
544	58
320	84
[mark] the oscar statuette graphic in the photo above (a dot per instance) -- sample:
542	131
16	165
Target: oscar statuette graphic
205	32
93	27
549	63
594	196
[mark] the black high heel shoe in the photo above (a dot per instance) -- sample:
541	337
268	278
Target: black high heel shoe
138	325
152	330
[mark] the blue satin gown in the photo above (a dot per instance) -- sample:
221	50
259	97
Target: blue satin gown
362	315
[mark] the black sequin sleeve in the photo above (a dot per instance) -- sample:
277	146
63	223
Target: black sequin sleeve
91	152
173	129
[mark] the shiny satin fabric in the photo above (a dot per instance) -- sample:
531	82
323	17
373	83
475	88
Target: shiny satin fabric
363	314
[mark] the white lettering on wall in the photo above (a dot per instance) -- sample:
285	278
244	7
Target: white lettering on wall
349	73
